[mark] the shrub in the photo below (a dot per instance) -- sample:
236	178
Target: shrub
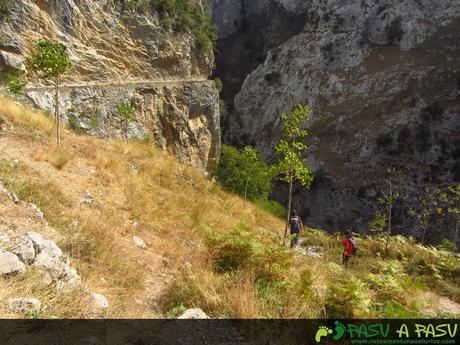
60	159
136	5
74	125
305	283
395	310
230	252
447	245
270	263
452	291
218	84
126	111
16	83
189	17
273	207
347	299
5	7
222	108
244	173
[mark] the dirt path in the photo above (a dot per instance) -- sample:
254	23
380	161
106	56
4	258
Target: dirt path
136	83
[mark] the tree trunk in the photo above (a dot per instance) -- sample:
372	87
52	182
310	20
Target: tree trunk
246	191
456	233
56	113
390	206
424	233
289	206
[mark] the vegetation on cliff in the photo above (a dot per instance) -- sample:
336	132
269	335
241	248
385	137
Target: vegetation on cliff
185	16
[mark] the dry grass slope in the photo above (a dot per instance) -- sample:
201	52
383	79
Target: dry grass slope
205	249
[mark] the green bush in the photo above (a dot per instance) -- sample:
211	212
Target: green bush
395	310
241	171
222	108
347	299
136	5
219	85
5	7
230	252
126	111
273	207
74	125
16	83
189	17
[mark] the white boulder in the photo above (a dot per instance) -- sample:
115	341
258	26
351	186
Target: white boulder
195	313
24	249
99	301
24	305
10	264
139	242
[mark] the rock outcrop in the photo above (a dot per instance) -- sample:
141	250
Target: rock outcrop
180	117
22	250
119	55
10	264
383	80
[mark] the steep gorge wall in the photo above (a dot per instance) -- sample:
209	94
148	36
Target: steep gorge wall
383	79
119	56
248	29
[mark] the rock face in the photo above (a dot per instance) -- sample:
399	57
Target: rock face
105	41
383	80
119	56
247	31
180	117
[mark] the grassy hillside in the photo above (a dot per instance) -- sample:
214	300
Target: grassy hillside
204	248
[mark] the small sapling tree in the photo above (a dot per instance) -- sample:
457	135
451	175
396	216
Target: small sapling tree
291	166
51	59
428	205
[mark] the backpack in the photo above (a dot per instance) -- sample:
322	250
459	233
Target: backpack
355	246
295	224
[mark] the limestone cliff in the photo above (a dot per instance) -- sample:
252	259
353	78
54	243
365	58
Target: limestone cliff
247	31
120	54
383	79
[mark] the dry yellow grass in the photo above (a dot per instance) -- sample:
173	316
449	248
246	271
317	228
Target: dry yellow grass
130	182
142	191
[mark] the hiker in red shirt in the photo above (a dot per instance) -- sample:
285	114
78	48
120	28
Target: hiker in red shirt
349	247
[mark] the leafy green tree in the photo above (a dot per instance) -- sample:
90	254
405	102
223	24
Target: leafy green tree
16	83
428	205
243	172
378	224
51	59
451	198
291	166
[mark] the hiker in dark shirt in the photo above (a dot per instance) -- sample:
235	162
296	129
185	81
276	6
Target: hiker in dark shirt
349	247
296	226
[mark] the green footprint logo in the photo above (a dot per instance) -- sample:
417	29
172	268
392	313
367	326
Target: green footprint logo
322	332
339	330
